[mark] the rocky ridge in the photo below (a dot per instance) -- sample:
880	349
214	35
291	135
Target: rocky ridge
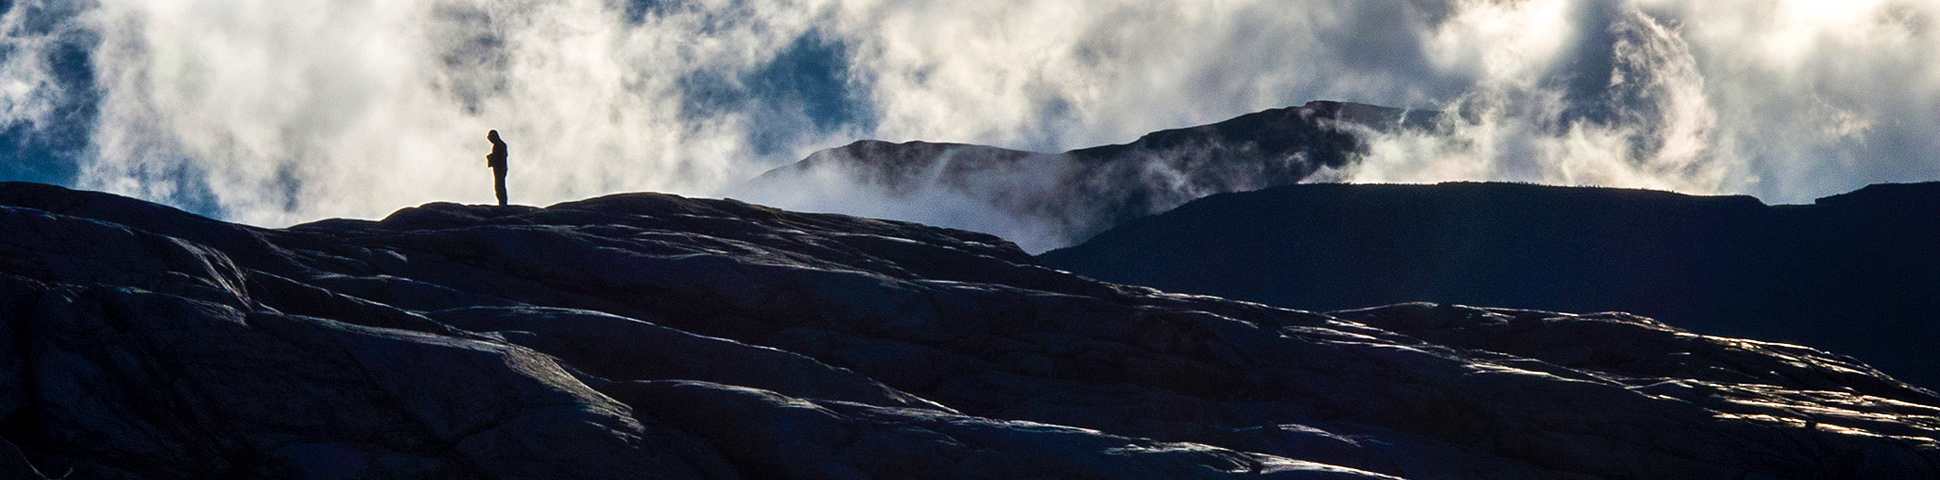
1049	200
653	336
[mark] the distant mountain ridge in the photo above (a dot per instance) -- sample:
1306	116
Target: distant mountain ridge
1056	199
1857	273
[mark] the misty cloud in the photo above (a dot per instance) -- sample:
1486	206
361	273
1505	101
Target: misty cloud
274	113
1623	104
47	95
806	90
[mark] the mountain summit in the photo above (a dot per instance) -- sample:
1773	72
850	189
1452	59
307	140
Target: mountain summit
1048	200
653	336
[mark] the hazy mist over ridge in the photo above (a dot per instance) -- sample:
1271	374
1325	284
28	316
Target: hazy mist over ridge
277	112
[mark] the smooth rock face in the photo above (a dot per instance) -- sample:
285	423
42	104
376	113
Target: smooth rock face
651	336
1857	273
1049	200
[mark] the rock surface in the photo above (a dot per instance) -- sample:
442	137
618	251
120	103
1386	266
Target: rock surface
652	336
1857	273
1049	200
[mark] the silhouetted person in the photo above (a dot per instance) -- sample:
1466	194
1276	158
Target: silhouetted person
496	160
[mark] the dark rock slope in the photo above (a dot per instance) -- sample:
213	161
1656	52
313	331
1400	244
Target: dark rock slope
1048	200
651	336
1857	273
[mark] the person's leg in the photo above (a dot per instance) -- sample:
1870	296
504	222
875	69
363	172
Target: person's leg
499	173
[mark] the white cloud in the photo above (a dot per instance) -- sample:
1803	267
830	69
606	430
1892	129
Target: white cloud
1650	126
1819	97
291	111
31	91
294	110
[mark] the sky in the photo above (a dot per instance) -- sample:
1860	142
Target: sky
275	113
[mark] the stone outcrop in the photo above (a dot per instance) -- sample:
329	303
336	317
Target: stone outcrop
652	336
